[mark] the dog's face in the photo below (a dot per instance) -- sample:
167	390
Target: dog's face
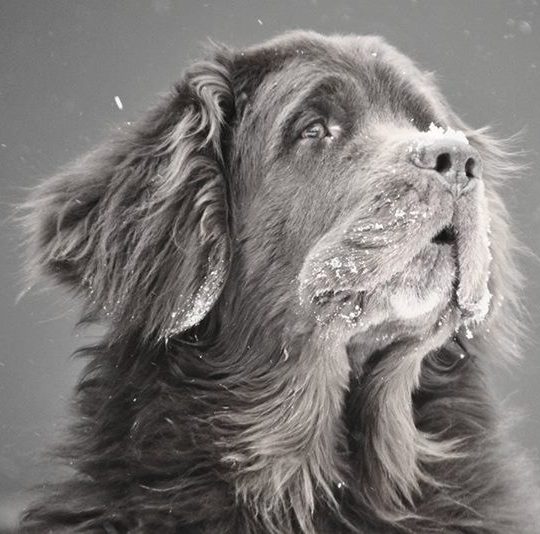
327	165
284	206
360	188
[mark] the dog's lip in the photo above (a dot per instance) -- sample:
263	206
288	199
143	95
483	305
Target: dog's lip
440	240
324	296
446	236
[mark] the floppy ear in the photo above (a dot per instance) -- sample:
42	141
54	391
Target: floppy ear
139	226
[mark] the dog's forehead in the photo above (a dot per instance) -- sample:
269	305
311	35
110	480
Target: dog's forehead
336	53
280	66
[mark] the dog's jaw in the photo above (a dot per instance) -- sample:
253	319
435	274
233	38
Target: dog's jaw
412	276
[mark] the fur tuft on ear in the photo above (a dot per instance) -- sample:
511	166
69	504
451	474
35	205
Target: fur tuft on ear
139	227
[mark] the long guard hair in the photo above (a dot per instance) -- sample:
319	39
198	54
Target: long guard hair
215	403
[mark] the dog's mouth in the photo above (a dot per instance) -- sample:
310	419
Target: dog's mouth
447	236
431	272
342	293
401	269
341	296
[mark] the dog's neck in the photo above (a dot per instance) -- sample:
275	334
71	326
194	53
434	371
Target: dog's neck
285	450
388	451
290	450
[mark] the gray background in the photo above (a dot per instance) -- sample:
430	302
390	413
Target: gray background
63	62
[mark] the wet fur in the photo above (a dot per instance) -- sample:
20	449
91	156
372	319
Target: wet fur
221	399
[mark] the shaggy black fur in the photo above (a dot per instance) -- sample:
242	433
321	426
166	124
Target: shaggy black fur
301	320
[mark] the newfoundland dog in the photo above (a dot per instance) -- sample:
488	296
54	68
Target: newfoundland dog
303	263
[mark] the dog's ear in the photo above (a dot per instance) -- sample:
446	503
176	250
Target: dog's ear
139	227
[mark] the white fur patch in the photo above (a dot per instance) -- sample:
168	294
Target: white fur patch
407	304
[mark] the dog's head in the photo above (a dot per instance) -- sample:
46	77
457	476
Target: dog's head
309	184
329	165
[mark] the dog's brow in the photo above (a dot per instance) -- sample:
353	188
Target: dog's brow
317	89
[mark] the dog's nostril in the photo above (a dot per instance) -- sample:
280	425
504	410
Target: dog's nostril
443	163
469	168
454	162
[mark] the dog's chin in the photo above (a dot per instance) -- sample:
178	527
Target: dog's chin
419	296
426	286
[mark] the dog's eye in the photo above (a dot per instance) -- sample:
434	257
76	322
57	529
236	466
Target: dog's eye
316	130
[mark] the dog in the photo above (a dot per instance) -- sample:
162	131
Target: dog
305	269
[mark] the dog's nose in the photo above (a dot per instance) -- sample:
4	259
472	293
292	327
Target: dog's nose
455	162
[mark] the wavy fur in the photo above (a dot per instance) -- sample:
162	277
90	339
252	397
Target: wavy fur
262	369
